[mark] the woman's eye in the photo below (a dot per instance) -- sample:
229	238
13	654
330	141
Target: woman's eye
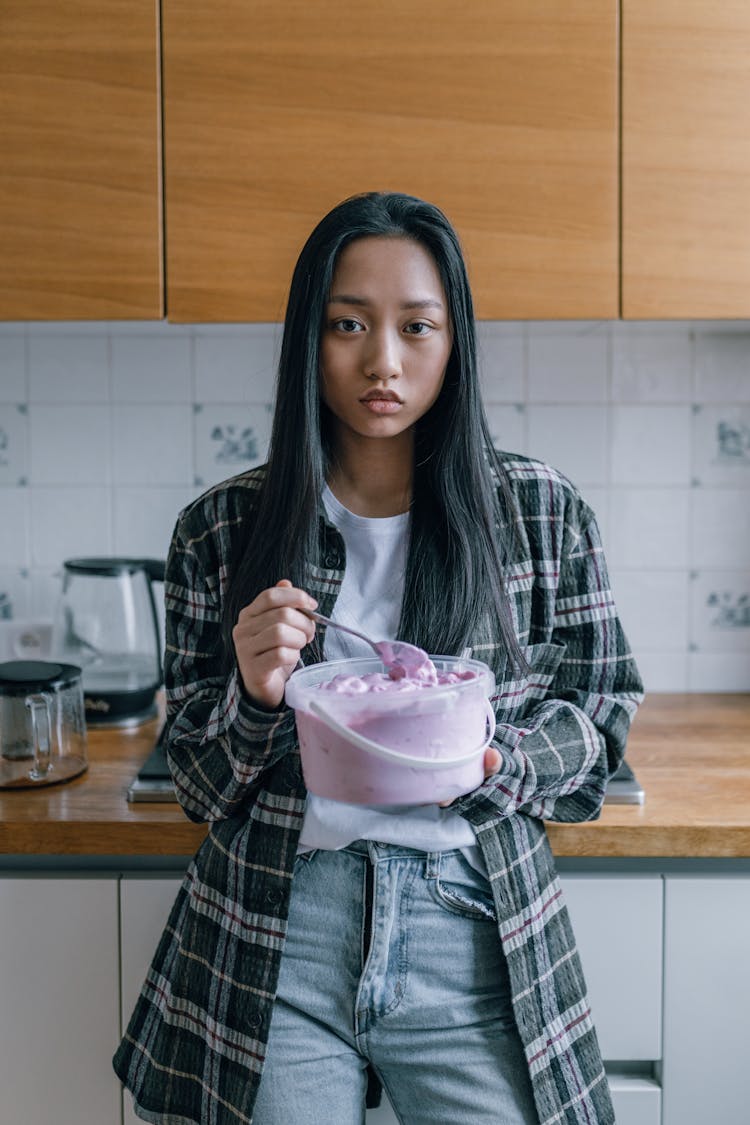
418	328
347	325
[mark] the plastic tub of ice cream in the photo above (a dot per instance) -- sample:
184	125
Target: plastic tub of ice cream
366	738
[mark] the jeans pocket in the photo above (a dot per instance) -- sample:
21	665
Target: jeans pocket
303	858
461	890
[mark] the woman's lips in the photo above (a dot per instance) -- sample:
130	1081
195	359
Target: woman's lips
382	405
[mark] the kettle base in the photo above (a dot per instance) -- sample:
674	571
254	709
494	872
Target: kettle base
60	771
119	708
105	722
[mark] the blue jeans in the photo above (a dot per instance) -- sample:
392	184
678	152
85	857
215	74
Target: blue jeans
393	959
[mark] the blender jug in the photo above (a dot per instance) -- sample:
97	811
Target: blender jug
42	728
106	623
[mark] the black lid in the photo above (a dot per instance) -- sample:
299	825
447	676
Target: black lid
108	566
18	677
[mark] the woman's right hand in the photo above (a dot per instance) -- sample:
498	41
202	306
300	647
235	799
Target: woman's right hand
268	638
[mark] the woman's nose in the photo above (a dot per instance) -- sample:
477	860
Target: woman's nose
383	358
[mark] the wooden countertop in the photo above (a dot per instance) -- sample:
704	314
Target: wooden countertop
690	752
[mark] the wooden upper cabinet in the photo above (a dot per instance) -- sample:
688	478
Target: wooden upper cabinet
80	181
503	112
686	159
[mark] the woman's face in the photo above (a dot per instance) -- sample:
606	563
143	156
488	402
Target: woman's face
387	337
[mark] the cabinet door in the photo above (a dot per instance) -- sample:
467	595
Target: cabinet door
502	112
636	1101
618	927
686	159
79	175
144	909
706	1000
59	1007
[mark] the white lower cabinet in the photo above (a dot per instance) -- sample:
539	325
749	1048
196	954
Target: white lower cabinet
144	909
61	1018
59	1001
618	924
636	1101
707	1001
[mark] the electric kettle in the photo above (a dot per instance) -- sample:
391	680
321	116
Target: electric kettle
106	623
42	725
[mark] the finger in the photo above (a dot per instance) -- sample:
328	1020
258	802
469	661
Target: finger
285	616
274	660
282	594
492	760
275	636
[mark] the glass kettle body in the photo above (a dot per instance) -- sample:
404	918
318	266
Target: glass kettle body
106	623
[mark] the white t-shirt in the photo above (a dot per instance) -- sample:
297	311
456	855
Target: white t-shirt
370	600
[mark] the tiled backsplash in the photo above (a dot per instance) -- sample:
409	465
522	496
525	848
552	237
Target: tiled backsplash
107	430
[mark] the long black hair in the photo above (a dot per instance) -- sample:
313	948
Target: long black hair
462	514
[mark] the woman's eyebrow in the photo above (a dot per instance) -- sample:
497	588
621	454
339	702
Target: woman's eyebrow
419	303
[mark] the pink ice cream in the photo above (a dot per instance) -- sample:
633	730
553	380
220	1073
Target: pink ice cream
414	676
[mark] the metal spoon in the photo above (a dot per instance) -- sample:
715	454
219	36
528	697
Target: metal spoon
397	656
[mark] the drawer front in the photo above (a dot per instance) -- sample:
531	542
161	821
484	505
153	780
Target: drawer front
637	1101
618	923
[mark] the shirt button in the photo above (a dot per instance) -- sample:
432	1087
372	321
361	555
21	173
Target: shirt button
273	897
331	562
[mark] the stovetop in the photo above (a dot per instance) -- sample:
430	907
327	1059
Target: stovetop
153	781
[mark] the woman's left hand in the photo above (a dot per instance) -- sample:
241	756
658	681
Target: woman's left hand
492	762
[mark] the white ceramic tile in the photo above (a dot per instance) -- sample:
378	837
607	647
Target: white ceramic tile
568	368
650	528
566	327
719	671
67	522
507	426
68	327
571	438
46	588
144	519
14	426
69	444
651	445
15	597
722	366
597	499
14	527
663	671
721	445
13	368
237	368
229	438
653	608
656	327
23	637
500	356
720	529
152	445
161	329
651	368
151	369
68	368
720	611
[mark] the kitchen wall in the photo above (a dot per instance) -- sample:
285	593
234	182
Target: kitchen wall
108	429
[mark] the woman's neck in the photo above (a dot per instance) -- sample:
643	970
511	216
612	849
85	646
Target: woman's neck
373	478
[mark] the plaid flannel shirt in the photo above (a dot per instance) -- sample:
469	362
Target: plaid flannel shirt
194	1048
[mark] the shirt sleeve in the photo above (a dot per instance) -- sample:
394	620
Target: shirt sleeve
218	742
557	758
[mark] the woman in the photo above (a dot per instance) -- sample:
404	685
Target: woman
313	944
